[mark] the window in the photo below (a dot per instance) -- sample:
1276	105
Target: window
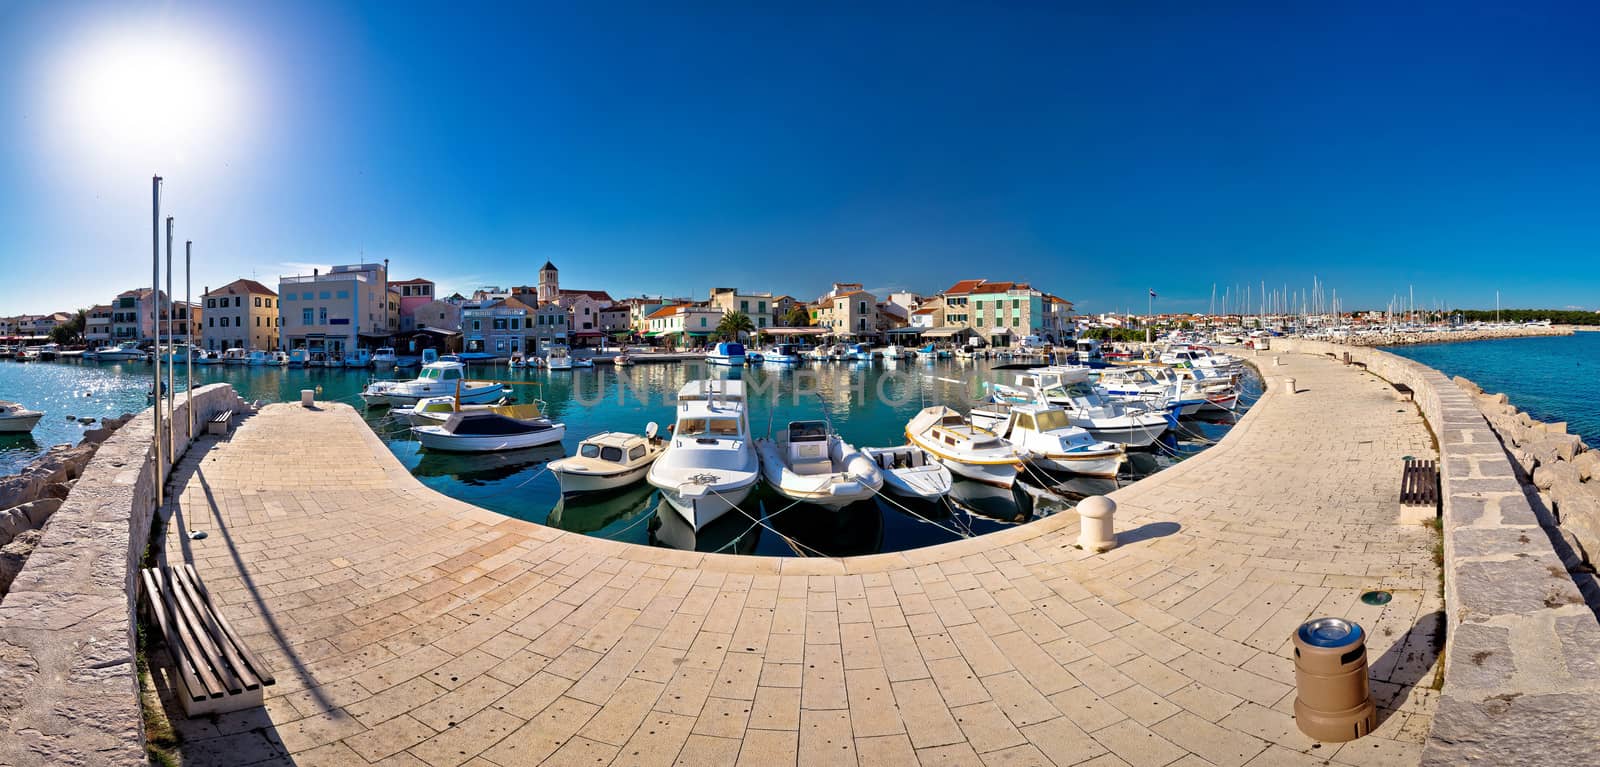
269	303
322	315
211	303
744	306
305	316
344	294
305	296
589	450
211	321
1015	321
238	301
636	452
477	324
611	453
324	295
516	324
258	320
702	322
499	323
224	321
761	306
258	301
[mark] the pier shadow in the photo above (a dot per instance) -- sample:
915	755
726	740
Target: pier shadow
1408	663
1147	532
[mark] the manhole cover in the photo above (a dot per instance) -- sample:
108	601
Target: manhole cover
1377	597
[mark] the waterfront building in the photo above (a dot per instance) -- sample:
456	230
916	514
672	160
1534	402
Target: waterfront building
130	315
550	327
1002	313
413	293
683	324
337	312
497	328
433	315
849	314
641	307
923	319
616	318
97	326
242	314
781	306
759	307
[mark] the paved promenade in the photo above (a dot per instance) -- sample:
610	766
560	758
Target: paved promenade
407	628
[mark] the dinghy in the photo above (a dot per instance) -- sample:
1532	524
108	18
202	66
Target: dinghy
815	465
910	472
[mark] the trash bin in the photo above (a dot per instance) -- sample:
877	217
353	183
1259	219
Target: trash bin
1333	702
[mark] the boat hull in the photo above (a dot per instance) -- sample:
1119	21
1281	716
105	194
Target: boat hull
1097	464
436	438
582	482
481	396
699	507
19	423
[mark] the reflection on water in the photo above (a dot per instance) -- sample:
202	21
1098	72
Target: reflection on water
867	403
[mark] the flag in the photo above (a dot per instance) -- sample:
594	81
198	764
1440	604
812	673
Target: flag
1152	292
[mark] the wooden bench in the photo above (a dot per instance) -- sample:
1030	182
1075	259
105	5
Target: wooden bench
1405	391
215	673
220	423
1419	492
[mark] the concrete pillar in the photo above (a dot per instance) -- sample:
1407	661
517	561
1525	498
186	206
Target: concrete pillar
1289	386
1095	529
308	397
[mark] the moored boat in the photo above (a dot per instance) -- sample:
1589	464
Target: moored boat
608	461
479	431
1043	436
384	358
16	419
910	472
710	463
815	465
727	353
782	355
968	450
436	379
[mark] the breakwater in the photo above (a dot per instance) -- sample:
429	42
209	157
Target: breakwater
1399	338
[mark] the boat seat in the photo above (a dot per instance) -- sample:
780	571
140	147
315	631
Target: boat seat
808	467
917	459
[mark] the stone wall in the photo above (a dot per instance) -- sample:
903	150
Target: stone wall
1397	338
1522	672
68	679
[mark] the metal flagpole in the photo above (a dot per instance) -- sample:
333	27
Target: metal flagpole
188	360
155	319
170	346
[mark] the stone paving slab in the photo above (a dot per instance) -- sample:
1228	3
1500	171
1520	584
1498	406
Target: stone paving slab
408	628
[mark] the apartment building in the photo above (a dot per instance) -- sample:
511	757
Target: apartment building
338	312
242	314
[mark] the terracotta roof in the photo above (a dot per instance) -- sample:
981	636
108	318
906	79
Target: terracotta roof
665	311
242	285
992	287
963	287
598	295
923	311
851	293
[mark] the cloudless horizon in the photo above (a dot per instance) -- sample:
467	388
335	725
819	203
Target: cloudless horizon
1094	150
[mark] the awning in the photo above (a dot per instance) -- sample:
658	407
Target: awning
998	331
795	331
906	331
588	334
944	332
697	332
657	333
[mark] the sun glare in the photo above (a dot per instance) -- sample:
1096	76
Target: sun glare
151	97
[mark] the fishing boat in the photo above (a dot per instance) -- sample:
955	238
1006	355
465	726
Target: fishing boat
753	358
1143	385
608	461
279	359
476	431
781	355
16	419
968	450
558	359
209	358
728	353
1043	436
51	351
911	472
895	352
435	379
359	358
582	362
236	356
123	352
710	464
28	355
385	358
517	361
928	352
300	357
433	411
1086	408
815	465
259	358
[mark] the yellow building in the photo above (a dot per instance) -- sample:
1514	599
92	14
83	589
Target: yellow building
242	314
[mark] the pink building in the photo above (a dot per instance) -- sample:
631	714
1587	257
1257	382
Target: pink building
414	293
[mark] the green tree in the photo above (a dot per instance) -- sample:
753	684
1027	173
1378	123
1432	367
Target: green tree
732	324
71	331
798	317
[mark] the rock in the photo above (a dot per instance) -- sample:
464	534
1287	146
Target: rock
13	522
1524	458
1552	448
1558	427
39	511
1467	385
14	555
1588	465
59	490
85	420
1580	515
1499	399
1545	475
96	436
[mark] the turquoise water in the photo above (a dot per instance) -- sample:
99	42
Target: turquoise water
868	403
1554	379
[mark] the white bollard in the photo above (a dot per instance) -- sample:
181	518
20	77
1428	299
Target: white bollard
308	397
1289	386
1095	529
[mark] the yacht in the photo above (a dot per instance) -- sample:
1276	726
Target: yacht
782	355
1144	386
558	359
436	379
1043	436
16	419
608	461
1086	408
815	465
727	353
127	350
384	358
968	450
911	472
710	464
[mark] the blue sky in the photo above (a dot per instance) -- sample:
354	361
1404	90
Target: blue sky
1095	150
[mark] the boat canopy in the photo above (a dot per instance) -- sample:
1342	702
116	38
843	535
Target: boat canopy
481	423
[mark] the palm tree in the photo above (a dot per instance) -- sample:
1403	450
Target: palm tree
733	324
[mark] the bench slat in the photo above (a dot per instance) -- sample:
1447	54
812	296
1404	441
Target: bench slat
228	663
157	604
187	643
257	668
198	641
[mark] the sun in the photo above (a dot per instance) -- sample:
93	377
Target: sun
153	96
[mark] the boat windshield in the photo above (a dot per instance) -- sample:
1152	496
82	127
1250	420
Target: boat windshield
611	453
431	374
589	450
1050	420
708	427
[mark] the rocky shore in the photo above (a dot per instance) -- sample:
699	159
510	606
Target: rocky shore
1557	469
1385	338
28	498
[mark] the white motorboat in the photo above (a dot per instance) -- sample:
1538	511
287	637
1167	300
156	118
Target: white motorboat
50	351
558	359
815	465
608	461
483	432
968	450
895	352
177	353
517	361
781	355
236	356
710	464
820	353
1151	388
208	358
859	352
622	360
436	379
910	472
928	352
1043	436
125	351
434	411
16	419
385	358
726	353
582	362
279	359
1086	408
28	355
